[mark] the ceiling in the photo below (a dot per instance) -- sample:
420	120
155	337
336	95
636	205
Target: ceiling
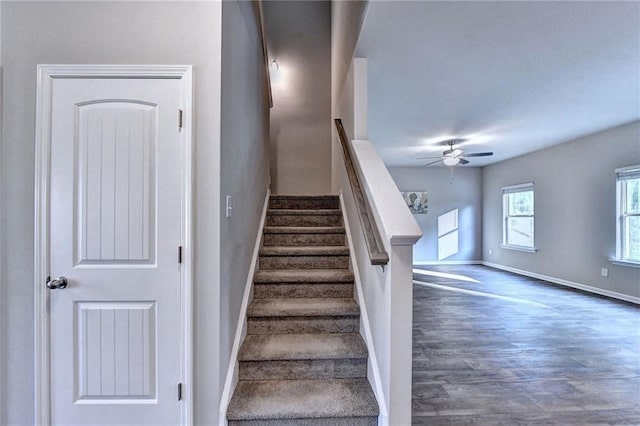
510	77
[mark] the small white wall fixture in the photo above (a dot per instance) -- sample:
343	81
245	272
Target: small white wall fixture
45	78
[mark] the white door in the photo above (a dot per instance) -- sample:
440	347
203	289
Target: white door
115	228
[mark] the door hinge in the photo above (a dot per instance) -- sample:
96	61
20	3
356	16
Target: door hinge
179	391
179	254
180	119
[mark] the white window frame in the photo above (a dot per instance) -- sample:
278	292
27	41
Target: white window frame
624	174
506	191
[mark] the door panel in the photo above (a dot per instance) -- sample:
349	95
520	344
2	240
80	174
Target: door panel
117	182
116	221
116	348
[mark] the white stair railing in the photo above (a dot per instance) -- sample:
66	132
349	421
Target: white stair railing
386	293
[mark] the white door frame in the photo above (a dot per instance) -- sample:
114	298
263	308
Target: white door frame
46	75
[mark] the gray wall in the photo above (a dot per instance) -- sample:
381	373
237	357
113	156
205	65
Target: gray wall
299	35
465	194
575	208
245	154
140	33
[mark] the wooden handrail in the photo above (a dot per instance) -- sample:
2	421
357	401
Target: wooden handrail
377	254
265	53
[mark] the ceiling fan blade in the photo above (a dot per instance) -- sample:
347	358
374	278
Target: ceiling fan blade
447	152
433	162
463	161
479	154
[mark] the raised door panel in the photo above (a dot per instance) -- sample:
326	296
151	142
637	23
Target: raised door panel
116	183
116	352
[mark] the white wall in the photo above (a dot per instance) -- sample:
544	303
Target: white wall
245	165
299	37
346	21
1	239
463	193
104	32
575	209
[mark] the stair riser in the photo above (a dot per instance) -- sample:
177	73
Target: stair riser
303	369
304	262
272	240
304	220
331	421
297	325
310	203
297	291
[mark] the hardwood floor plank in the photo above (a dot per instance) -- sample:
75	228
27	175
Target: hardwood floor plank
494	348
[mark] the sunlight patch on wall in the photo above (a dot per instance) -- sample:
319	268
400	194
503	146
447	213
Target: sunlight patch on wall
447	234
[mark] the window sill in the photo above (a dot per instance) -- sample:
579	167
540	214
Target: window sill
627	263
519	248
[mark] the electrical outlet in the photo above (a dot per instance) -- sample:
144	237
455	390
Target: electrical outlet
229	206
604	272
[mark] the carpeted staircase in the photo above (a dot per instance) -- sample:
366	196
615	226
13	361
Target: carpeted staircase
303	361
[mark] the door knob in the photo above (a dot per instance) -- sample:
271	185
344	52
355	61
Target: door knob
58	283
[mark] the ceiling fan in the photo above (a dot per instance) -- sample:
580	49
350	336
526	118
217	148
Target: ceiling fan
454	156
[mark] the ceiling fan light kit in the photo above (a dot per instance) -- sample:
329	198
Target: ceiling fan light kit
452	157
450	161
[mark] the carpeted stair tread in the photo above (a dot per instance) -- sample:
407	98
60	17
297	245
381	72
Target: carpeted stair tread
303	212
304	230
304	201
302	347
306	307
305	251
304	276
302	399
304	217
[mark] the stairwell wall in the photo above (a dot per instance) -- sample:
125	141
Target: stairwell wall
299	38
1	239
245	169
347	18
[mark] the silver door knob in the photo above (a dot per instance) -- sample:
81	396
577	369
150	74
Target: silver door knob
58	283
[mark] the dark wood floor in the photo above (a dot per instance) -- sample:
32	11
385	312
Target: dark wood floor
512	350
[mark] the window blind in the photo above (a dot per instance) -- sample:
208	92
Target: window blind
517	188
628	173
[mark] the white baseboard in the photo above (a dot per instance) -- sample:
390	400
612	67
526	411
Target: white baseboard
566	283
373	370
241	330
447	262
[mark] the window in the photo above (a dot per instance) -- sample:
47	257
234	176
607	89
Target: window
518	217
628	212
447	234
